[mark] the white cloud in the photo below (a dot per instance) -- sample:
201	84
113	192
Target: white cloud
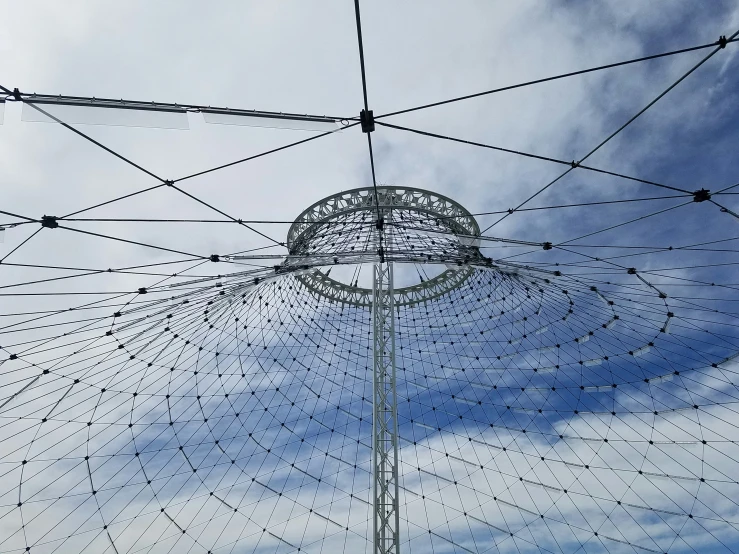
302	57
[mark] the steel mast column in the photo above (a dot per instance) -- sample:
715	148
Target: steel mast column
384	410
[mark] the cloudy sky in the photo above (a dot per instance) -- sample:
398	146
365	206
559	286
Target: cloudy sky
302	57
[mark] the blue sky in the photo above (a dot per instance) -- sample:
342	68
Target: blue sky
300	58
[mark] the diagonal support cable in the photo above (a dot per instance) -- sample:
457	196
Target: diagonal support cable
561	76
132	242
164	182
685	75
84	136
529	155
366	117
240	222
262	154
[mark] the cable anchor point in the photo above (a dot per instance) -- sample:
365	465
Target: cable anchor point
701	195
215	258
49	221
547	246
367	119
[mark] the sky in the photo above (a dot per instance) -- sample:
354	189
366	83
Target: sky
303	58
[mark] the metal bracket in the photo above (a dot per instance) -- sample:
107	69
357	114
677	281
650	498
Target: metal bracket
49	221
701	195
367	119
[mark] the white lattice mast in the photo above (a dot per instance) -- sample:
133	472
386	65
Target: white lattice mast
384	407
382	226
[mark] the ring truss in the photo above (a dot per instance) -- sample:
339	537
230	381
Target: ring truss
408	211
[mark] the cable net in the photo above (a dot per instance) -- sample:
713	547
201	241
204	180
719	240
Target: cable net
550	397
537	412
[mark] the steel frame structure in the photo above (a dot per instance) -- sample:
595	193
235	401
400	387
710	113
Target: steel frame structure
386	527
453	219
383	294
432	204
323	285
380	204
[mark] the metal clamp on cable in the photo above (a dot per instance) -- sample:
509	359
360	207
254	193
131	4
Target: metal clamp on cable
49	221
701	195
367	119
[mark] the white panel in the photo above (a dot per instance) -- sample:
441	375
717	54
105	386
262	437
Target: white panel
296	123
108	114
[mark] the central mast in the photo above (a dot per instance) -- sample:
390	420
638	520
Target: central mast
384	400
383	226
